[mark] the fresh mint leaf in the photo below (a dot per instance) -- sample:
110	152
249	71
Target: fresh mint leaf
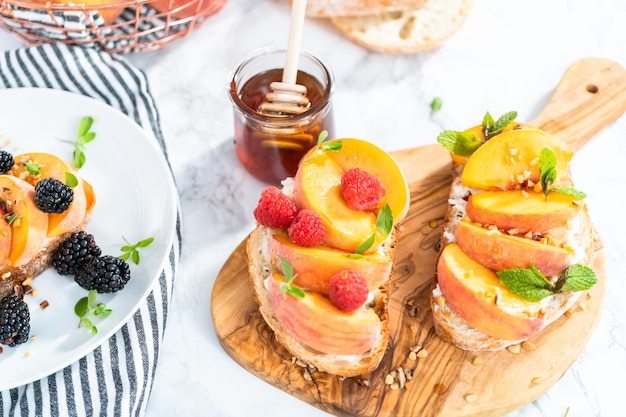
502	122
384	220
363	247
332	146
10	218
287	268
547	169
288	286
577	278
295	291
529	283
532	285
571	191
487	124
459	143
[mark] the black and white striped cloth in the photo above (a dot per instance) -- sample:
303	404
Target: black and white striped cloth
134	29
116	378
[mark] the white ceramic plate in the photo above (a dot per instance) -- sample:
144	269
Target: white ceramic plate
135	199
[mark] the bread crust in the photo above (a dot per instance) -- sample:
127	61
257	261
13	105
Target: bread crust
334	8
260	267
452	329
406	30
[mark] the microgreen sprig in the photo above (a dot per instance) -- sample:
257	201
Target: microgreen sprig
435	106
87	306
131	251
288	286
32	167
332	146
84	136
71	180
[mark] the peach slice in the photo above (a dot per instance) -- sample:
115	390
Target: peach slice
498	251
317	323
90	195
477	295
52	166
524	211
28	229
317	187
510	159
315	266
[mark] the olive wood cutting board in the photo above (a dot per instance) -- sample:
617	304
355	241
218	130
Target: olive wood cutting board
447	381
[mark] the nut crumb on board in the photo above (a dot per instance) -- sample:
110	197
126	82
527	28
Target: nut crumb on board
398	379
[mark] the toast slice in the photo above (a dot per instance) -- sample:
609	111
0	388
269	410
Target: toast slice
261	266
408	30
321	257
578	234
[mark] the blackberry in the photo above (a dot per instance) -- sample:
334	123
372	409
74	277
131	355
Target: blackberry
6	161
105	274
52	196
77	250
14	321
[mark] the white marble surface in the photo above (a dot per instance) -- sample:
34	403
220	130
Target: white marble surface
509	55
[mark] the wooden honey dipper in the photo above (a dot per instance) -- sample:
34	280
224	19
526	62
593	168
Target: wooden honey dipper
286	97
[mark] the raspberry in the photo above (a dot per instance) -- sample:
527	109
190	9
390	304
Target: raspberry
361	190
307	229
347	290
275	209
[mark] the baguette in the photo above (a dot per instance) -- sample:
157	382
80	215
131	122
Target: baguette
261	266
408	30
578	234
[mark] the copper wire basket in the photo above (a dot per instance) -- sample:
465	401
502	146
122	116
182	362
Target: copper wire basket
116	26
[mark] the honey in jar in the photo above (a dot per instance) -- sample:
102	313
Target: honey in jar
270	146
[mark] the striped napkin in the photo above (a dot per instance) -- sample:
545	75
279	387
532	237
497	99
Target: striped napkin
116	378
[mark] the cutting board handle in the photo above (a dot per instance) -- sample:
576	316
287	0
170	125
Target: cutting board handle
590	96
